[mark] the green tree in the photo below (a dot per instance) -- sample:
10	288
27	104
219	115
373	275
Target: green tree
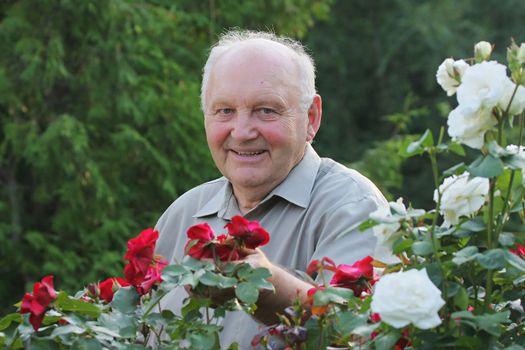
100	123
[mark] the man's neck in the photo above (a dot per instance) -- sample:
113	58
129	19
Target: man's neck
248	199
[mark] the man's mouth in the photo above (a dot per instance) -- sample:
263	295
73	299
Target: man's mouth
254	153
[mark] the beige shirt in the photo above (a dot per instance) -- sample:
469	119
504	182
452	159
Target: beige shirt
319	200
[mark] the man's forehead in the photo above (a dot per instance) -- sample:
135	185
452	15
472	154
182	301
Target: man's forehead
247	51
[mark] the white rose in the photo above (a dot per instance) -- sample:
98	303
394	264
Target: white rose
482	50
518	102
461	196
449	74
407	297
519	155
386	230
482	85
521	54
516	151
468	127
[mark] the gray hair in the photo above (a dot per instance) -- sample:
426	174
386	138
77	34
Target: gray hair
302	59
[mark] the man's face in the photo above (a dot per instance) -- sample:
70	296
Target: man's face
255	127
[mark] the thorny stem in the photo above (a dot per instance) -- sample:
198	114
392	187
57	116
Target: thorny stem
508	197
490	245
208	319
492	234
435	242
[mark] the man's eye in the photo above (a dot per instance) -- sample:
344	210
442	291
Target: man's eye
225	111
266	110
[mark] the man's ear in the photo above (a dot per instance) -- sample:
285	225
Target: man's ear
315	112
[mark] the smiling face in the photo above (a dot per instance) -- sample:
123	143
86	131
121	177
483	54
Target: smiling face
255	126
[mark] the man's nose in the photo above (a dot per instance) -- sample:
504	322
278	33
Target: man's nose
243	127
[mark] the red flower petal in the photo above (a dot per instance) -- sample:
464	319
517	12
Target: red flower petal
109	286
141	249
251	234
37	302
355	277
313	267
202	232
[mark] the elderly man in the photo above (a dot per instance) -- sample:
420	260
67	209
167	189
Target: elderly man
261	112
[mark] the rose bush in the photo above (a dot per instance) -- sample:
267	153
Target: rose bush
125	313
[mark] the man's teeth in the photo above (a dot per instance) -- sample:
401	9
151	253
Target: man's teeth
249	153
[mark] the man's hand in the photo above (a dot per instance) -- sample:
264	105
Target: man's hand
287	288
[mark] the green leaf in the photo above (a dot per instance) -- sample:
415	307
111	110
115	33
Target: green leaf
247	292
365	225
203	341
461	299
491	323
422	248
455	170
434	273
174	270
259	278
402	245
386	341
66	330
66	303
519	280
332	295
506	239
8	319
124	325
486	166
465	255
418	147
456	148
217	280
475	225
515	261
43	344
125	300
492	259
347	321
87	344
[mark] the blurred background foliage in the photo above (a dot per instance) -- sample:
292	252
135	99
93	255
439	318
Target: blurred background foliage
100	126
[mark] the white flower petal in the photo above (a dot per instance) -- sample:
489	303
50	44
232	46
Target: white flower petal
407	297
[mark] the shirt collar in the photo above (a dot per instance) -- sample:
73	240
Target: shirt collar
296	188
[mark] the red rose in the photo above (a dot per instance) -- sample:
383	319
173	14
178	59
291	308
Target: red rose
324	264
37	302
250	233
357	277
199	245
143	282
152	277
133	276
202	232
520	251
141	249
110	286
225	250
